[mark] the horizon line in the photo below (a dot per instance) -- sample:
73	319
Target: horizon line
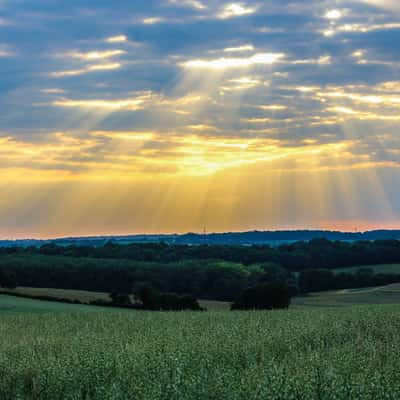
199	233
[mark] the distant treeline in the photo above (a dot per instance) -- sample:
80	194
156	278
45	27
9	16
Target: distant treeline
225	238
322	279
317	253
215	280
207	272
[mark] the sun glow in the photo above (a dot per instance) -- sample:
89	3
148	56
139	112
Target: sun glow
134	152
179	114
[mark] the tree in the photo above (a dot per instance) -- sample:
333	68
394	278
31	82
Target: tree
8	279
170	302
316	280
274	272
174	302
267	296
120	299
152	299
190	303
149	297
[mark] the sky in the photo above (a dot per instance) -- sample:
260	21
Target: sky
169	116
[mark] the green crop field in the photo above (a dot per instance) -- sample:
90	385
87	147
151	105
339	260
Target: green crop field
13	305
65	352
81	295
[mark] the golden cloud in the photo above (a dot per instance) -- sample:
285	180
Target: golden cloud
228	63
121	154
233	10
87	69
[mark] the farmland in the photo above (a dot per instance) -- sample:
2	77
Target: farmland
16	305
388	294
338	344
379	268
68	352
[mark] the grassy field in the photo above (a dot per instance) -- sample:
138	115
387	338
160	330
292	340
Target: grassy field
86	297
338	353
81	295
389	294
12	305
380	268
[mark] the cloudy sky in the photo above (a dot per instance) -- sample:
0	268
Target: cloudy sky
132	116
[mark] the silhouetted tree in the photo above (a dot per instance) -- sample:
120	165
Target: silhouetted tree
7	279
267	296
169	301
316	280
120	299
149	297
152	299
190	303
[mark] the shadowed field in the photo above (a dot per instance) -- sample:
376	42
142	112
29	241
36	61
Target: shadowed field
389	294
9	301
12	304
380	268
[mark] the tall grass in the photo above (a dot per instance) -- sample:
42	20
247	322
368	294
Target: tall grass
350	353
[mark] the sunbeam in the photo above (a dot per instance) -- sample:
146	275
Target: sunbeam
193	114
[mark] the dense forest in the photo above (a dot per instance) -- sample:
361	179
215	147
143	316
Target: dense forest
208	272
317	253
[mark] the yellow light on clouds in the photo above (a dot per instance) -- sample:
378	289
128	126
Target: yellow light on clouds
117	39
152	20
358	53
86	70
97	55
239	49
113	105
333	14
236	10
228	63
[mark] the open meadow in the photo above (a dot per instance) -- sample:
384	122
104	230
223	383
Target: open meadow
388	294
378	268
66	352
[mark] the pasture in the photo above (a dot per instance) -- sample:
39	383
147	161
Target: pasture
13	305
389	294
304	353
379	268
